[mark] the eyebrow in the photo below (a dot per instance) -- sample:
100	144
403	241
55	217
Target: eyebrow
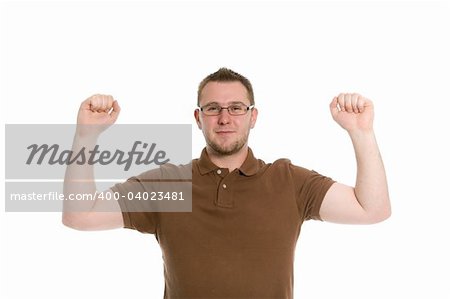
230	103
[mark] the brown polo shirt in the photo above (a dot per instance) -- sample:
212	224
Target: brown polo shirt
239	240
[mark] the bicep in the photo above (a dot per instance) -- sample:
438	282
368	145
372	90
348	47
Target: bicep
340	205
105	214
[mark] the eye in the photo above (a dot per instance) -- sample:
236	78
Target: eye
237	108
212	108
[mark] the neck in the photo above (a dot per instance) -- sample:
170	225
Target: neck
228	161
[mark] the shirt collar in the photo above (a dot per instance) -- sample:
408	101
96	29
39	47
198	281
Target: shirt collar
250	166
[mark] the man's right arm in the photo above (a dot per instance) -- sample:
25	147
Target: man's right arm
96	114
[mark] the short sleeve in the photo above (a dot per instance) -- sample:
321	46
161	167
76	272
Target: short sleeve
143	215
311	188
144	222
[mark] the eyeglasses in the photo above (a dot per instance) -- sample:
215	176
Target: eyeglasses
234	109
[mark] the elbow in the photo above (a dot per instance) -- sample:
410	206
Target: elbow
388	213
72	220
69	221
380	215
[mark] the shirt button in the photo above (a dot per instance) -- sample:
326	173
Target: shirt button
224	186
219	171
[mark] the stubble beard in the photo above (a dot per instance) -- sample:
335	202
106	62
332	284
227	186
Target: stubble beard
233	148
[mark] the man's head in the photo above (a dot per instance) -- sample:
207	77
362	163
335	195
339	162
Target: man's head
226	75
226	130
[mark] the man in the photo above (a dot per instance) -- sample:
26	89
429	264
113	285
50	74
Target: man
239	240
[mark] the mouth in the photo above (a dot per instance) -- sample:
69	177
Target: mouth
224	132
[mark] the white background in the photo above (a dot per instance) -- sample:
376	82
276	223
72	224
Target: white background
151	56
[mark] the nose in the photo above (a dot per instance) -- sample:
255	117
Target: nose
224	117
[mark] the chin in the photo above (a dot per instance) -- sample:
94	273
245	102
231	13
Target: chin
226	150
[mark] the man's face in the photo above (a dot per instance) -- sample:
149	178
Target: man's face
224	133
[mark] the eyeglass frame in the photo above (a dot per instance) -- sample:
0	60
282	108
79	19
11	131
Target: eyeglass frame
248	108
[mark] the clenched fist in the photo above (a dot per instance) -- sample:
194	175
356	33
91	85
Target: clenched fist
352	112
96	114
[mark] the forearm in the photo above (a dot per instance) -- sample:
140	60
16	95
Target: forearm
79	178
371	189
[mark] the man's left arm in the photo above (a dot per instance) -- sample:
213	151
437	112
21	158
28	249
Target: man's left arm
368	202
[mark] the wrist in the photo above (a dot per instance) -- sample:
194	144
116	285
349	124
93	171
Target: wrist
86	138
361	134
88	133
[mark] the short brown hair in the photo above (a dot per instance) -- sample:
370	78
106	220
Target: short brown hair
227	75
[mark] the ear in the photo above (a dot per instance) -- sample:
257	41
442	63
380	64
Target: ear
254	116
197	118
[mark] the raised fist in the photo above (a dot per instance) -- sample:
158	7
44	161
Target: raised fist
96	114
